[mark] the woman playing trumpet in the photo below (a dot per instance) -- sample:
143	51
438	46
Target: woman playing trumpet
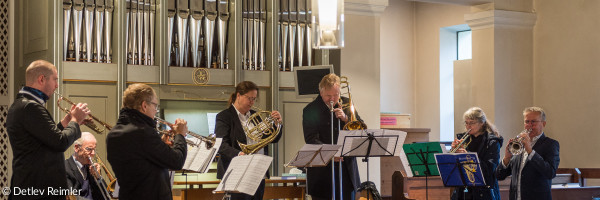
486	142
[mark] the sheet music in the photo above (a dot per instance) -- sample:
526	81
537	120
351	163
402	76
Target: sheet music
199	158
405	164
245	173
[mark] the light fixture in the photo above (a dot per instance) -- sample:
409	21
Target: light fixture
328	24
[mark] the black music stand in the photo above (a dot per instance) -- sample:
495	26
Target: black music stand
460	170
313	155
366	145
421	160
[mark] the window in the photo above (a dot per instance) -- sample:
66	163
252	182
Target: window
463	41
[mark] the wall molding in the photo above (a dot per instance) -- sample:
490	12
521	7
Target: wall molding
500	18
365	7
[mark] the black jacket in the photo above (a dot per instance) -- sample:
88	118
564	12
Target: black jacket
229	127
537	175
489	155
75	179
316	123
140	159
38	146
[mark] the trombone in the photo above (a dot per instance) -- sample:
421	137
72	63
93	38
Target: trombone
353	122
89	122
107	190
208	140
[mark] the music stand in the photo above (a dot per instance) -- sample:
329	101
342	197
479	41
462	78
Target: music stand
369	143
422	161
460	170
313	155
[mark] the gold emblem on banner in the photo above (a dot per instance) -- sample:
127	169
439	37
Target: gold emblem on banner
201	76
470	169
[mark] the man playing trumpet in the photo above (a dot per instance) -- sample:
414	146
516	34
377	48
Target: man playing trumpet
37	142
532	170
140	159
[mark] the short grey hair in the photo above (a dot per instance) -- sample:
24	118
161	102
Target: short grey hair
535	109
85	136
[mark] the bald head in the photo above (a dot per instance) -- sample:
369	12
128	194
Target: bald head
85	137
36	69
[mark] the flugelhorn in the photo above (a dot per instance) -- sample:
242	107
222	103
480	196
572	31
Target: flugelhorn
209	140
89	122
258	125
353	122
462	142
516	146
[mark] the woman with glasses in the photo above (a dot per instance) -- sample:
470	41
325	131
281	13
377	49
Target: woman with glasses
229	126
486	142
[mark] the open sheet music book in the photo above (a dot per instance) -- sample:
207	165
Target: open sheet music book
244	174
199	157
314	155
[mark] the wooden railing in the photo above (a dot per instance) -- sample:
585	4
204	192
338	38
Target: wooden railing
275	189
410	188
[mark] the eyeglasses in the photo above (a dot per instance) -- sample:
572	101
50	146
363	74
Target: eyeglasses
90	149
156	105
471	123
250	98
531	121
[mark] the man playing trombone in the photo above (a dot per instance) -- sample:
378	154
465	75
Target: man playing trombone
37	142
140	159
79	169
316	123
533	161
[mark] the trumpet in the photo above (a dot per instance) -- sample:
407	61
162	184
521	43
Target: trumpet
208	140
516	146
89	122
462	142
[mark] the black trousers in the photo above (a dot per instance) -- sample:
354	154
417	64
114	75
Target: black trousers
323	190
258	195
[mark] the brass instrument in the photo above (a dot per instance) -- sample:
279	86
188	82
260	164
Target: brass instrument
353	122
89	122
516	146
263	124
462	142
107	190
208	140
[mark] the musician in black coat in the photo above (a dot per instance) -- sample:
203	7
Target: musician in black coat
229	127
139	157
484	140
79	169
533	170
316	123
38	143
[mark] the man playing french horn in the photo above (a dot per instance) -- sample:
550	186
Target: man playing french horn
230	126
534	166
